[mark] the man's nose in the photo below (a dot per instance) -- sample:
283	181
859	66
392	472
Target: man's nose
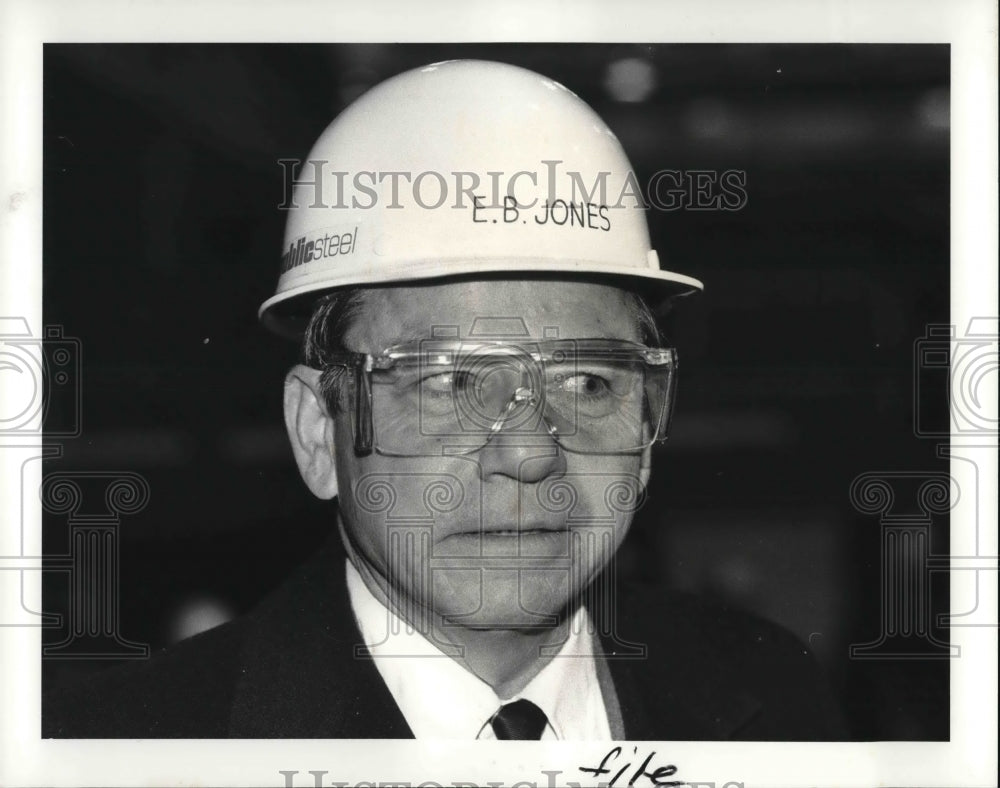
526	458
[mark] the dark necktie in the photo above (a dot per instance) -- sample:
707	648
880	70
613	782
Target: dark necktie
521	720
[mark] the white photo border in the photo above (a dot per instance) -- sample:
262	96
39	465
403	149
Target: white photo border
969	759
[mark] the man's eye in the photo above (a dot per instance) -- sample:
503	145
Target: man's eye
446	383
585	385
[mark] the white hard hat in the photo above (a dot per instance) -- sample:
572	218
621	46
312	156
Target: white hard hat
462	168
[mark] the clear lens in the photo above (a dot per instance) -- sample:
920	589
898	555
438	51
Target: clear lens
591	396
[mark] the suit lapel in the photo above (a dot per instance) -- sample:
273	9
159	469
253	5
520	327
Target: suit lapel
301	676
674	692
650	709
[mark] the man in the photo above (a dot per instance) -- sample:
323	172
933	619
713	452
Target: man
468	268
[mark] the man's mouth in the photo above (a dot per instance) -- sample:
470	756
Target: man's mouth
530	530
521	531
524	543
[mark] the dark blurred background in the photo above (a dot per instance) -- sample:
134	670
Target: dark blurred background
162	237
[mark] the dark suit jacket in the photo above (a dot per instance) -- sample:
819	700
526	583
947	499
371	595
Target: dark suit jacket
287	670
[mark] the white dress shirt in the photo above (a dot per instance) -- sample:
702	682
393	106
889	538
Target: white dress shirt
440	699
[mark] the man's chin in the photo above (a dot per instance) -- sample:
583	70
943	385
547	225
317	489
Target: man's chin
505	621
515	601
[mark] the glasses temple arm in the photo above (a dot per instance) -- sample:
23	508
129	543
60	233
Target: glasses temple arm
364	437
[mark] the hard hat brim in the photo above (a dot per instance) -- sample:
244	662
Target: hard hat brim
287	313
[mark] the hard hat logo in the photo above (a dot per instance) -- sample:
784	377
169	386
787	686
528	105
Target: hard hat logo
319	247
459	169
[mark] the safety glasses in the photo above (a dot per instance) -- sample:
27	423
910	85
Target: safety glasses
435	397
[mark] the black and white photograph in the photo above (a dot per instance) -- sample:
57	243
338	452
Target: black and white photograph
431	399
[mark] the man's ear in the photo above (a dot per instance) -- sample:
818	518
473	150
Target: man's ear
310	430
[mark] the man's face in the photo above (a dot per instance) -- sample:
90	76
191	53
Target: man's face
507	535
